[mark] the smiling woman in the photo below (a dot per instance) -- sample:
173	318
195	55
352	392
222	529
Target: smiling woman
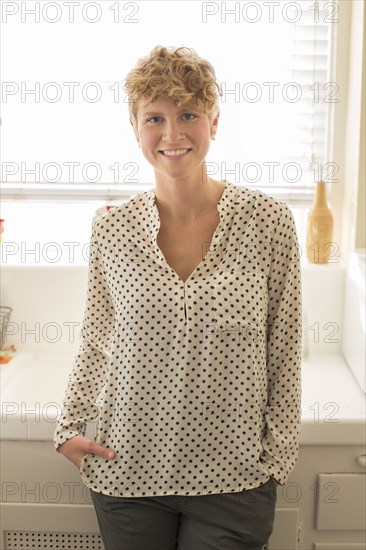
176	143
191	335
173	105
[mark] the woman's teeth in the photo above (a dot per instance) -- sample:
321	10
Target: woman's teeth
177	153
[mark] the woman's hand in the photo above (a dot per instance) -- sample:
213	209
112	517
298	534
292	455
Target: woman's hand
77	447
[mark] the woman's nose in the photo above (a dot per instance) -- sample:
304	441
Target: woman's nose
172	131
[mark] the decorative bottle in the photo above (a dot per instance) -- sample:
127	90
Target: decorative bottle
319	231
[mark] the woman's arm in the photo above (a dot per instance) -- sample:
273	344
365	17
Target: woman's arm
90	366
284	345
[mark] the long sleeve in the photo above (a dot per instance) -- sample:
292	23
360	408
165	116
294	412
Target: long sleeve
284	329
90	367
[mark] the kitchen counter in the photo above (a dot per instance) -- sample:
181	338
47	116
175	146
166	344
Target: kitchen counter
33	385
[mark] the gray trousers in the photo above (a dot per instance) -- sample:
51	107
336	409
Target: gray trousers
223	521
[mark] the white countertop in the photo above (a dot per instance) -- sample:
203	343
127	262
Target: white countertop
333	404
33	385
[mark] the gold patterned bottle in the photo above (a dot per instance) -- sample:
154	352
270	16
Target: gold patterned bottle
319	232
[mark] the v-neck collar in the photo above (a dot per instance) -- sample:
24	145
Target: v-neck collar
226	201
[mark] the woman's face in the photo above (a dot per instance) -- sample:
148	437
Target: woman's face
162	126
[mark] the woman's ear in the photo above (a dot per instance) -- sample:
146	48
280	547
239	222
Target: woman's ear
214	125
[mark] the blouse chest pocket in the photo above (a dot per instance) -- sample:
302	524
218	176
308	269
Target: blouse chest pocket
241	296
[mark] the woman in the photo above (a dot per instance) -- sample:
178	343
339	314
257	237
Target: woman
191	338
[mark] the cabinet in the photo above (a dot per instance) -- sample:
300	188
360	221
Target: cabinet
322	506
43	505
341	502
286	531
43	496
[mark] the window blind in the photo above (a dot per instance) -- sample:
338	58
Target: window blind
58	149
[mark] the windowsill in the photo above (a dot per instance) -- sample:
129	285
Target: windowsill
58	233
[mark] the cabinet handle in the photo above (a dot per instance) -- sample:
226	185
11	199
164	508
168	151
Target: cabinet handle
361	461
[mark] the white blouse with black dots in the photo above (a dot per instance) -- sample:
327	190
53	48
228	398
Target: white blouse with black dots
195	384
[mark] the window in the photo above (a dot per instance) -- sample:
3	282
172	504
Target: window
65	129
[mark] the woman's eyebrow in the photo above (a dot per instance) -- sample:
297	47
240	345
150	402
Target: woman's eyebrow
147	113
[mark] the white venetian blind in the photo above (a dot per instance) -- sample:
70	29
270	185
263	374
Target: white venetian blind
307	130
65	129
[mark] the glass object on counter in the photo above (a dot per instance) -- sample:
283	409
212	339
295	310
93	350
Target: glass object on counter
319	231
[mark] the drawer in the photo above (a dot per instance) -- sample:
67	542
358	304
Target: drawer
341	502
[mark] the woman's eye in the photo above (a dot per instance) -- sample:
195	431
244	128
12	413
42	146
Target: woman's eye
189	114
153	118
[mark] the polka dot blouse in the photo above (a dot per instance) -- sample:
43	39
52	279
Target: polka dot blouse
195	384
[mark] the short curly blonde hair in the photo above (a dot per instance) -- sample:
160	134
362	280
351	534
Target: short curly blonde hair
178	73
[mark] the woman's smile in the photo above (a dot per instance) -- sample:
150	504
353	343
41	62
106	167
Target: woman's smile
176	154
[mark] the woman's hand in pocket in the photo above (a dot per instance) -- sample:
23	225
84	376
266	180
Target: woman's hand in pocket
77	447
